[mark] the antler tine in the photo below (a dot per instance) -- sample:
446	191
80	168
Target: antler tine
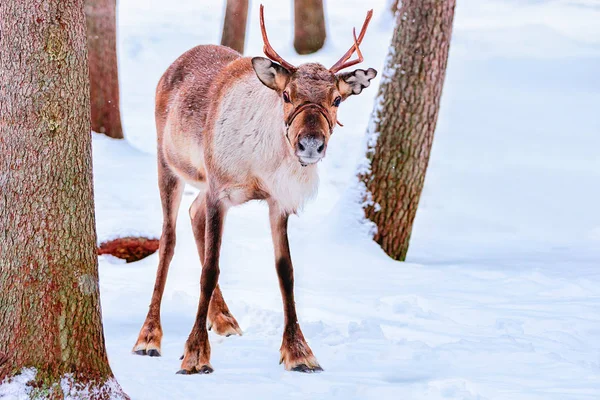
343	62
267	49
358	53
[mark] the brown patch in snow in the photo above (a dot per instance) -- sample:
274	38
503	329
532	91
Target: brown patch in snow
129	248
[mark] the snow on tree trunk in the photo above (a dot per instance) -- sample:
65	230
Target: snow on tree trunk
104	77
309	26
234	25
50	315
403	123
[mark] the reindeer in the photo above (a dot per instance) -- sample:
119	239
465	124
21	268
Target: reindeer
239	129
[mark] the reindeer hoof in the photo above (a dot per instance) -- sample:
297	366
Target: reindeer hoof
224	324
296	355
148	342
143	350
153	353
306	369
205	369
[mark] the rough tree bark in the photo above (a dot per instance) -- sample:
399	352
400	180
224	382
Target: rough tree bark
234	25
101	20
404	120
50	315
309	26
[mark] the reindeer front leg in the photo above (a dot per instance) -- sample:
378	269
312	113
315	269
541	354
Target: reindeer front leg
171	189
296	355
196	357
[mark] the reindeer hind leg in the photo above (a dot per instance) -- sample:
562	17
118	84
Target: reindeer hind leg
196	356
220	319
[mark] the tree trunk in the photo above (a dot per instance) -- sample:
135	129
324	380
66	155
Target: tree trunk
404	120
101	20
309	26
50	315
234	25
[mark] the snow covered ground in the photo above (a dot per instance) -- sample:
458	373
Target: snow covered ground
500	298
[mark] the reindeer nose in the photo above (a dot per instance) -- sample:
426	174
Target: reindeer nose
310	146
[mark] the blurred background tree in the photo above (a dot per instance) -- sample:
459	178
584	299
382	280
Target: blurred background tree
234	25
101	20
309	26
404	120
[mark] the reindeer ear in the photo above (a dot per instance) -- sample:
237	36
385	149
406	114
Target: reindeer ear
271	74
354	82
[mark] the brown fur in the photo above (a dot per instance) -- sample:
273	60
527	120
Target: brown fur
220	129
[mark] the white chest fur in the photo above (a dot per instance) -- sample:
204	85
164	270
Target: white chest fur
291	185
250	134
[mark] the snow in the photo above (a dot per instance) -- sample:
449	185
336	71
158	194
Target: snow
74	390
500	297
16	387
20	387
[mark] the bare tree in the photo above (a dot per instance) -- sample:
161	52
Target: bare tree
104	77
309	26
404	120
50	315
234	25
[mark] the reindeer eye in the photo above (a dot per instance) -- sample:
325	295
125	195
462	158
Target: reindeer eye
286	97
337	101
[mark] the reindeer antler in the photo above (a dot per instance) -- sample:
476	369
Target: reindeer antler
267	49
343	62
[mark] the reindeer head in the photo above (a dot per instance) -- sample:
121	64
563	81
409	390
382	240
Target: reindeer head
311	94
